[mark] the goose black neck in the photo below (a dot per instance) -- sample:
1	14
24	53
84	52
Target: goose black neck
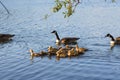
112	38
57	36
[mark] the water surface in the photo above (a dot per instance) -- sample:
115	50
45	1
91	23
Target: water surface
90	22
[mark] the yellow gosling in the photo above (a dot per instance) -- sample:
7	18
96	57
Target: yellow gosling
32	54
72	52
61	53
52	51
80	50
43	53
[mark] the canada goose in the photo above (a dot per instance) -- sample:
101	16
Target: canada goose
5	37
61	53
113	40
80	50
65	40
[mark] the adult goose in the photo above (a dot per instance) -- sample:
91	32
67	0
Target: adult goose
65	40
5	37
114	41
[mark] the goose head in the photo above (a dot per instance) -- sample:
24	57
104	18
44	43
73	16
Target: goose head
54	31
113	41
57	36
108	35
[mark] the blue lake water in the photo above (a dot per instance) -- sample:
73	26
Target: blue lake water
90	22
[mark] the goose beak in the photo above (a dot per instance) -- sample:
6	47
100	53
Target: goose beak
106	36
52	32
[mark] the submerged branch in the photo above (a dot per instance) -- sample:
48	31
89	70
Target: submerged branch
5	7
76	5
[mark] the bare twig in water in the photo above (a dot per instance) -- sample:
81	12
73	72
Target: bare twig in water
76	5
5	7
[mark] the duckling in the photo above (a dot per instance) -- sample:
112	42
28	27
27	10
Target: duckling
113	40
80	50
5	37
61	53
72	52
43	53
65	40
32	54
52	51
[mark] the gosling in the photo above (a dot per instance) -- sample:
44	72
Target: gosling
72	52
52	51
80	50
61	53
33	54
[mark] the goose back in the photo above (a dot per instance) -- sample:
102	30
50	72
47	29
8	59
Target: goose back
5	37
69	40
117	41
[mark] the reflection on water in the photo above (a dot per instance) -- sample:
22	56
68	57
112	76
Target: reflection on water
30	33
56	58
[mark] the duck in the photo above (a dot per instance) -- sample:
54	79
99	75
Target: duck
65	40
80	49
52	51
6	37
72	52
114	41
61	53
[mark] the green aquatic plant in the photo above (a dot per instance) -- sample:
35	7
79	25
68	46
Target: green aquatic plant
68	5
